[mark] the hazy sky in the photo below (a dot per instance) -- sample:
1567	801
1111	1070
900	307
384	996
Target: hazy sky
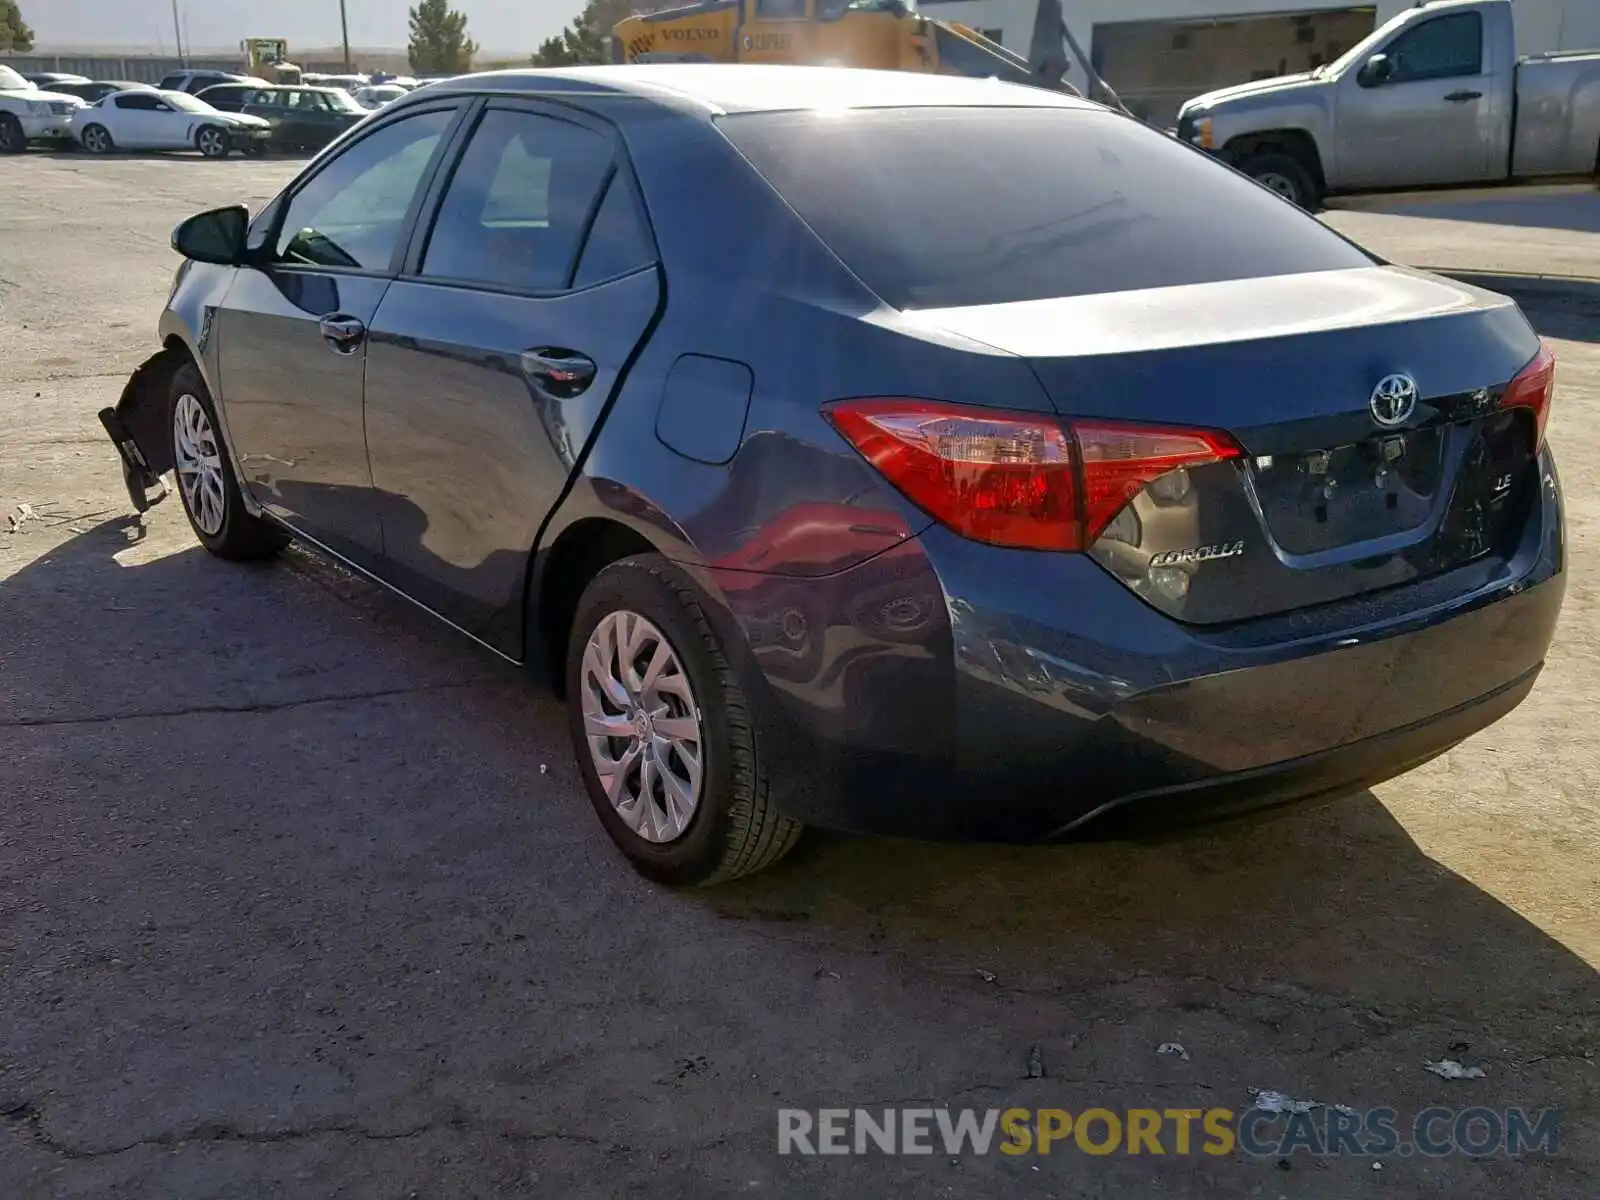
497	25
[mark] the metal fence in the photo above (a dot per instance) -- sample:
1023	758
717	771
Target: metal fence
150	68
133	68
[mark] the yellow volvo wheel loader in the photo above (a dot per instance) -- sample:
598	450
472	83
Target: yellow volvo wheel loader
879	34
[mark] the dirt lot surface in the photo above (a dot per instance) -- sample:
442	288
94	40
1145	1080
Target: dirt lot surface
300	896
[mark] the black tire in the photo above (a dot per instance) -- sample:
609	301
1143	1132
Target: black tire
1286	175
213	141
12	138
97	139
735	830
253	150
239	537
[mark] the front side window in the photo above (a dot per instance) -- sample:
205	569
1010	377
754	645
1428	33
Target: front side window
1443	48
515	211
352	213
140	102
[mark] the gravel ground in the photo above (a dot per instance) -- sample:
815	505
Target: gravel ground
301	898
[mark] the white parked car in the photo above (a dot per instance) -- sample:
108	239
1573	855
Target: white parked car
379	94
30	115
154	120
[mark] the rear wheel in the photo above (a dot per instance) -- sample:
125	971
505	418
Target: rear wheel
212	141
97	139
206	481
12	139
664	735
1284	174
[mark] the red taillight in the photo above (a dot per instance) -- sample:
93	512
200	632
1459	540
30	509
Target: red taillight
1004	478
1017	479
1534	387
1120	461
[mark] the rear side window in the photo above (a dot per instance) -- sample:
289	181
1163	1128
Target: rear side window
949	207
517	205
618	241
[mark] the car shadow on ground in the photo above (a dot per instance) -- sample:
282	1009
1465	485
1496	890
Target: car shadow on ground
410	855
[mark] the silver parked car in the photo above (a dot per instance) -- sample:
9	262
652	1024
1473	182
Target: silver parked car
1437	96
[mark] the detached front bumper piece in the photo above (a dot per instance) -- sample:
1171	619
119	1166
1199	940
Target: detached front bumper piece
136	425
145	488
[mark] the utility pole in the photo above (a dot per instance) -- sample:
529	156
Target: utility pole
177	32
344	34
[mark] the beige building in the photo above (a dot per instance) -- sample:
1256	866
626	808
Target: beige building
1159	53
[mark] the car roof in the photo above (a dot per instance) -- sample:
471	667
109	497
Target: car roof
245	85
729	88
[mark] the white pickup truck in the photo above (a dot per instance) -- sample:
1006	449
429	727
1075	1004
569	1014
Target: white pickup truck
1437	96
30	115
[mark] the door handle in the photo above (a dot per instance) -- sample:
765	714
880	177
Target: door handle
1463	97
559	374
343	333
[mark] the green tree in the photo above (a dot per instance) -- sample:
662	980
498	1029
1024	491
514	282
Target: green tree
584	41
439	41
14	32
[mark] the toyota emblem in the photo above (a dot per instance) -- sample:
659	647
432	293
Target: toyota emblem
1393	400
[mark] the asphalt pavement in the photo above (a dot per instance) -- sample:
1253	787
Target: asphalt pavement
299	895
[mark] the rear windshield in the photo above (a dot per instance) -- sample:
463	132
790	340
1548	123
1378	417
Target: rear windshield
948	207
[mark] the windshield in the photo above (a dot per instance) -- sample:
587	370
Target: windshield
1361	51
10	81
948	207
184	102
343	101
832	9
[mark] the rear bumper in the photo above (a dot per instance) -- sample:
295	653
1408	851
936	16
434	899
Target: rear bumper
1340	771
1022	696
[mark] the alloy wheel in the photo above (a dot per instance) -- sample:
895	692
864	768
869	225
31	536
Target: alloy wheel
213	143
96	140
199	464
643	726
1281	184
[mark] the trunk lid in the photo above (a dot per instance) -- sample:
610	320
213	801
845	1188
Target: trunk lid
1366	402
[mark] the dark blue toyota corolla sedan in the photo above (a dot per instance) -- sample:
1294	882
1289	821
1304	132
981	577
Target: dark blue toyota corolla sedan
898	453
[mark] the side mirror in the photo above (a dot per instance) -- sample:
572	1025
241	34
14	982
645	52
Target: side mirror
214	237
1377	70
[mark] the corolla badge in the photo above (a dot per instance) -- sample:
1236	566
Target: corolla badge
1393	400
1197	554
